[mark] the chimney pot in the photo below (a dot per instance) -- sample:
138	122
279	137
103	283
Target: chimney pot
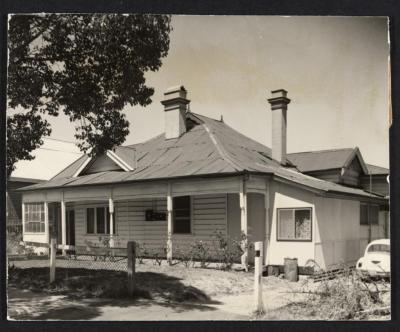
175	105
279	102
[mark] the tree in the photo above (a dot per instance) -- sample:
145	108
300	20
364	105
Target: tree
24	134
89	66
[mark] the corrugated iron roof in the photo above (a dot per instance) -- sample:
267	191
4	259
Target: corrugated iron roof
320	160
377	170
210	147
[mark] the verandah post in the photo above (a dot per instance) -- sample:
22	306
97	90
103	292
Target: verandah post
111	221
169	218
131	255
46	223
243	225
63	226
53	249
267	221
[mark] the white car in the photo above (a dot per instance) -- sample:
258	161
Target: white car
376	260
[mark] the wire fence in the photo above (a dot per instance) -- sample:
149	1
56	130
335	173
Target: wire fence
37	254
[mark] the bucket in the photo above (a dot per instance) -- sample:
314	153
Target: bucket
290	269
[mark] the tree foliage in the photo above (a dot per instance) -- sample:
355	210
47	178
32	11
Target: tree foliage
24	134
87	66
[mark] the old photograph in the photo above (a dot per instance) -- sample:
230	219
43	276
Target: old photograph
187	167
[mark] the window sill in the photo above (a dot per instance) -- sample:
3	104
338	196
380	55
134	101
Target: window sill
293	240
34	233
99	234
183	234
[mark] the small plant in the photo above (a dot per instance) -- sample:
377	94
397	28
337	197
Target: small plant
184	256
200	251
228	250
141	252
157	254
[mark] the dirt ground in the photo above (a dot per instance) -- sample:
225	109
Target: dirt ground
177	293
217	295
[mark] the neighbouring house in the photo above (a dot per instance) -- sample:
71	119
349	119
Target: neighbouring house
28	172
201	176
14	203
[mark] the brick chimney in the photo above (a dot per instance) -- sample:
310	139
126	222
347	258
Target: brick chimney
279	103
175	104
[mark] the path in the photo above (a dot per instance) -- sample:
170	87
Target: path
27	305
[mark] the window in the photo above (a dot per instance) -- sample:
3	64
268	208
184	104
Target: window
98	220
381	248
369	213
34	218
182	212
294	224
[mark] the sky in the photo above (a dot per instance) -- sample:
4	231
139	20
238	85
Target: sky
335	70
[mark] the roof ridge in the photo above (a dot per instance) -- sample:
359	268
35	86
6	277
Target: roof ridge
223	154
325	150
140	143
376	165
197	114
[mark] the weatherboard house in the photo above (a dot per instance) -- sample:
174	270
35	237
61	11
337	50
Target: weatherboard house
201	177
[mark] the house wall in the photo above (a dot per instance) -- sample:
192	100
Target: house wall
379	184
285	196
208	216
337	235
255	218
351	175
14	205
332	175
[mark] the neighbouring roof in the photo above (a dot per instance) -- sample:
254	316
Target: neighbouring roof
377	170
312	161
209	147
52	157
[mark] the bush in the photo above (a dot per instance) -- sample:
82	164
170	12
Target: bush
345	296
141	252
200	251
157	254
228	250
185	256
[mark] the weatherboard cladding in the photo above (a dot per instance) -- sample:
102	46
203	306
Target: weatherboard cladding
208	148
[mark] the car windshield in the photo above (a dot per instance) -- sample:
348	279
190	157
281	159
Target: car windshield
383	248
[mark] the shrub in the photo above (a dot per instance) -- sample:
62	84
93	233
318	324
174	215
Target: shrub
185	256
200	251
141	252
157	254
228	250
345	296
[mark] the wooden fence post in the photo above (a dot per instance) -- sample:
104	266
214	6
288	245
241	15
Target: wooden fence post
131	254
258	261
53	249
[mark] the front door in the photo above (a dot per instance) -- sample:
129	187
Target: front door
70	227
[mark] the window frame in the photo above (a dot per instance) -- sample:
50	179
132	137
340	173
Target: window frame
278	239
369	206
190	216
26	222
106	220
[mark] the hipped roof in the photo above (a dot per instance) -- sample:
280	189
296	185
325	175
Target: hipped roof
209	147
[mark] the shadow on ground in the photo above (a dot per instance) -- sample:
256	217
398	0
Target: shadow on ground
79	293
